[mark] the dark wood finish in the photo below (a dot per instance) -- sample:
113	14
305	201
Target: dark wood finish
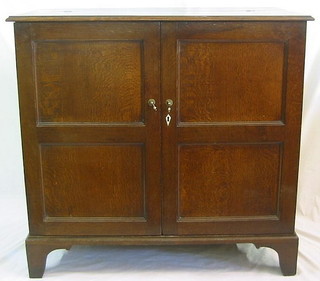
287	251
103	167
78	177
40	246
96	181
243	137
89	80
37	255
216	84
231	188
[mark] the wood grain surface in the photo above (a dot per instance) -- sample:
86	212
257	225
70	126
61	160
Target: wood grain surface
91	152
83	181
89	81
230	81
228	180
236	126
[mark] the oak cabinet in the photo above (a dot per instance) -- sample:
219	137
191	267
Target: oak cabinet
160	130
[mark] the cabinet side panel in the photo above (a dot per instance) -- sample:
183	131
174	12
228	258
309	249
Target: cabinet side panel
27	105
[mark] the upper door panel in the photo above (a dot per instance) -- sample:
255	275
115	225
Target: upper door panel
89	80
230	80
93	73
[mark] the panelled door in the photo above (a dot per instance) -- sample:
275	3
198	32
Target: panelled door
231	146
91	142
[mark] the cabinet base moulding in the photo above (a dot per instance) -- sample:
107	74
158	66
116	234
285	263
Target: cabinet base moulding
39	247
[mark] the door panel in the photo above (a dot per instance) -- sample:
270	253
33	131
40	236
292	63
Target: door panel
230	81
89	81
230	152
225	180
92	149
111	176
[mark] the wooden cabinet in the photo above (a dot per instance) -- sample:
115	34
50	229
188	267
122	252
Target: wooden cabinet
160	130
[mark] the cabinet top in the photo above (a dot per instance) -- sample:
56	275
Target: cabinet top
161	14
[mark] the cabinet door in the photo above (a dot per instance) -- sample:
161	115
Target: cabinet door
231	150
91	143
